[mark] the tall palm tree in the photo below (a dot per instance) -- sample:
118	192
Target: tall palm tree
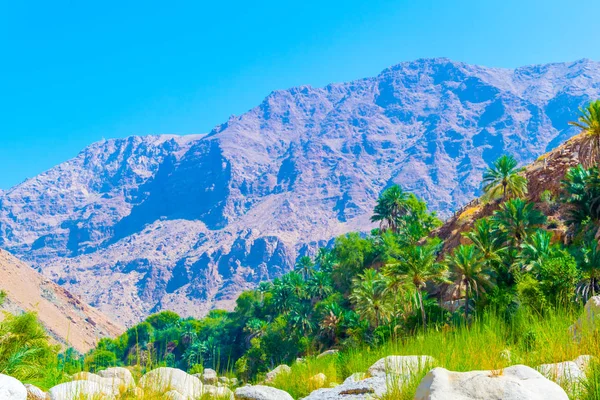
468	272
417	265
504	178
535	250
517	219
486	239
589	123
590	266
370	297
320	285
390	206
305	266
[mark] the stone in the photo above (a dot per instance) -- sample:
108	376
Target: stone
364	389
209	376
281	369
161	380
317	381
174	395
260	392
81	388
518	382
120	373
584	361
330	352
355	377
116	385
34	392
563	373
400	365
221	392
11	388
224	380
590	318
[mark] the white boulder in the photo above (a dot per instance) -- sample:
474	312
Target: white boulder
513	383
164	379
404	366
119	373
209	376
259	392
34	392
11	388
590	318
80	389
281	369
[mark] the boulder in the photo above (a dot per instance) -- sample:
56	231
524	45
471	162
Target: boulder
11	388
164	379
365	389
34	392
589	319
355	377
220	392
563	373
224	380
174	395
317	381
113	385
404	366
119	373
584	361
282	369
330	352
260	392
209	376
82	388
513	383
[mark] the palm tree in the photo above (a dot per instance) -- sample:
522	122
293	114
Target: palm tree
390	206
504	178
468	272
305	266
325	259
332	317
590	266
487	240
517	219
320	285
535	250
417	265
589	123
370	297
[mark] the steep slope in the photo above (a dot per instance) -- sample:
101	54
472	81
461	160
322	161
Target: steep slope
185	223
68	320
544	174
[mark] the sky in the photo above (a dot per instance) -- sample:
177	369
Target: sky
76	72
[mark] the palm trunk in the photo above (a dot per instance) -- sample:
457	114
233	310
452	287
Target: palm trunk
467	306
422	309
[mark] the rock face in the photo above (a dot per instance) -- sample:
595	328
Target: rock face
259	392
11	388
513	383
186	223
67	319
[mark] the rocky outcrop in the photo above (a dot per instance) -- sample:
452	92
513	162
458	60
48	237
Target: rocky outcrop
512	383
186	223
259	392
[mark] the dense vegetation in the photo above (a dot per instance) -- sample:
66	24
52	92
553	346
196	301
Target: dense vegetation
377	291
394	281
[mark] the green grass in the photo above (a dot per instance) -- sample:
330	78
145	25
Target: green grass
488	344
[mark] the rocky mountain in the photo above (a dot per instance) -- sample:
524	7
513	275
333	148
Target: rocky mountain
141	224
67	319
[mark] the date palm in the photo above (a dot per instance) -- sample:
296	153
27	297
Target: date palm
589	123
370	298
590	267
517	219
416	266
304	266
504	179
468	272
390	206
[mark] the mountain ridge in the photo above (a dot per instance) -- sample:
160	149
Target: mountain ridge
187	223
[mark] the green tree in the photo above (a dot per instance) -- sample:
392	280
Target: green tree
304	267
370	297
468	273
417	265
589	263
535	250
391	205
517	219
504	179
589	123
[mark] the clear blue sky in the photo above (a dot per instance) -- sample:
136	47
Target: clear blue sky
72	73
